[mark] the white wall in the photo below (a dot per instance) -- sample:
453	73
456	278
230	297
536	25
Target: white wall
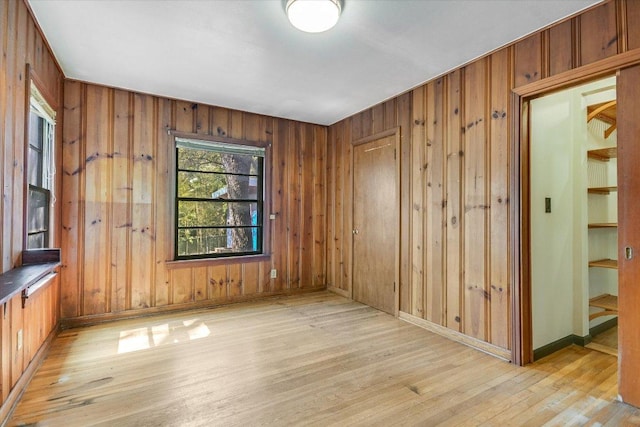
559	240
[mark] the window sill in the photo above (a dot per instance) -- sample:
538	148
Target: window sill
212	262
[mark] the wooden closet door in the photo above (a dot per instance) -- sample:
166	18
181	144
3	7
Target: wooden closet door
628	94
375	217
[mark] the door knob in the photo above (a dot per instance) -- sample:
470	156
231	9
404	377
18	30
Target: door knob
628	252
355	231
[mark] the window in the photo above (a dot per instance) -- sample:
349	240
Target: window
40	170
219	199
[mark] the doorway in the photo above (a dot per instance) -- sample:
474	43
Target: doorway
573	218
376	221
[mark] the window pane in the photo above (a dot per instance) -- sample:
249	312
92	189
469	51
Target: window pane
35	167
36	136
217	186
199	160
211	214
37	241
218	241
38	205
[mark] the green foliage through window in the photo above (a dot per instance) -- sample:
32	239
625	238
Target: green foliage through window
219	199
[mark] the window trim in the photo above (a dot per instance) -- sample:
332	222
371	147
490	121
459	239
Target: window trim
174	260
33	80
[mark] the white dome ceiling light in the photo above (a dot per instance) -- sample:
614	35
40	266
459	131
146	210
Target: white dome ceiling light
313	16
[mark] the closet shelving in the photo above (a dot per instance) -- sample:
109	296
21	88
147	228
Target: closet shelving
606	303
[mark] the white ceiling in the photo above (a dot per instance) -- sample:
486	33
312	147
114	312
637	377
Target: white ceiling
244	54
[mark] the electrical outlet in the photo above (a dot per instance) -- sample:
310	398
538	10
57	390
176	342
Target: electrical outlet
19	339
274	273
272	216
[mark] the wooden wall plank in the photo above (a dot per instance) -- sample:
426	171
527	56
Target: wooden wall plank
598	33
500	172
218	289
12	119
72	222
454	217
142	217
234	280
280	194
120	204
20	92
632	9
164	193
17	351
319	207
294	189
475	200
419	166
435	204
4	35
560	47
97	197
307	213
528	66
403	121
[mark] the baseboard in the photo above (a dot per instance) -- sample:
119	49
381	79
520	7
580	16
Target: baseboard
16	392
483	346
338	291
550	348
77	322
604	326
574	339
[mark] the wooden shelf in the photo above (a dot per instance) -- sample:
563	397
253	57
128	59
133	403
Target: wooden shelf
603	225
604	263
607	302
601	190
606	112
603	154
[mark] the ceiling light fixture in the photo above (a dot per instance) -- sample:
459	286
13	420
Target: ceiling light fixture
313	16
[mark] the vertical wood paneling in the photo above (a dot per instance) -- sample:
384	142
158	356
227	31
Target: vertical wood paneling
72	222
598	33
454	217
475	200
561	47
632	9
12	119
164	207
403	120
319	207
528	66
419	168
435	204
142	217
120	200
129	180
97	198
280	193
294	192
499	221
306	205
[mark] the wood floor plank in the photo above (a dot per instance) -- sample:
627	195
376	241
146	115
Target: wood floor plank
315	359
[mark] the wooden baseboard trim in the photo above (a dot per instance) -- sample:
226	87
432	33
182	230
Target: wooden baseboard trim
338	291
16	392
78	322
550	348
604	326
485	347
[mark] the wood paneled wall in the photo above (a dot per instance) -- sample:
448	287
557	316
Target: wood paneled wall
21	44
118	205
456	245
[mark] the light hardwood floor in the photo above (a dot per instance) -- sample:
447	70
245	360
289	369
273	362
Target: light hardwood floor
316	359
